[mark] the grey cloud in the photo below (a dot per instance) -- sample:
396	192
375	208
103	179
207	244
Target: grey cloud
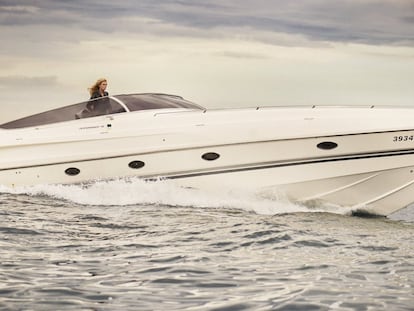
364	21
24	82
241	55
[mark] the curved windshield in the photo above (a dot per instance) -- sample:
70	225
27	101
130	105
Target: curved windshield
91	108
137	102
102	106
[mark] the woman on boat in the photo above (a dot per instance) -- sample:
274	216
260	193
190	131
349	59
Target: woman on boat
96	105
98	89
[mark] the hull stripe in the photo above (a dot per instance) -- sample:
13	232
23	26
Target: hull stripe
248	167
295	163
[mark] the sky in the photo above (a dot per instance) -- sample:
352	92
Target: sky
217	53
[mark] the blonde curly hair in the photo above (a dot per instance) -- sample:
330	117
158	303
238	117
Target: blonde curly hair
95	86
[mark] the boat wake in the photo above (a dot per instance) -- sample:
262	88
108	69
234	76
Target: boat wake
135	191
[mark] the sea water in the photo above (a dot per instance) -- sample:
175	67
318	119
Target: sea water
131	245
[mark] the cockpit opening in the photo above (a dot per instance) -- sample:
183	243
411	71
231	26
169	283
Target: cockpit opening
102	106
98	107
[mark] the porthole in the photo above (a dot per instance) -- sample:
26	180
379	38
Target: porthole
210	156
72	171
327	145
136	164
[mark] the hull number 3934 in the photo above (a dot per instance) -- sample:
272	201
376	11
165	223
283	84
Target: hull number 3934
403	138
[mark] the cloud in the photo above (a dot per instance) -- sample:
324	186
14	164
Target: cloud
373	22
22	82
241	55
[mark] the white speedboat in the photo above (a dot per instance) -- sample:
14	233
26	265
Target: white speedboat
359	157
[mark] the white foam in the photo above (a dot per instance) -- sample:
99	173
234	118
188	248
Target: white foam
135	191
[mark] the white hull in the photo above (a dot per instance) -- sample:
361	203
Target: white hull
365	161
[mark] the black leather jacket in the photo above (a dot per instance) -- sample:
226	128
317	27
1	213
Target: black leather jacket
97	94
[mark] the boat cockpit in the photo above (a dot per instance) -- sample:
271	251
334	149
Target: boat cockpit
103	106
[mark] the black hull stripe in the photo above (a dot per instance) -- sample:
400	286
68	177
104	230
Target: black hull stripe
257	166
296	163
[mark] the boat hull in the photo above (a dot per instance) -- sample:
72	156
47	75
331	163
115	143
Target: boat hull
370	171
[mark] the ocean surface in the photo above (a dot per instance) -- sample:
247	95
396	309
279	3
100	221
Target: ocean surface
130	245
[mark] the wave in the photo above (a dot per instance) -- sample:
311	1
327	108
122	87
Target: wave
133	191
